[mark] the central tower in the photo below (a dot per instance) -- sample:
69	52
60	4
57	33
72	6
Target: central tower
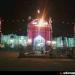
40	33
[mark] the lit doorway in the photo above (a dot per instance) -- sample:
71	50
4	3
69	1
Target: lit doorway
39	44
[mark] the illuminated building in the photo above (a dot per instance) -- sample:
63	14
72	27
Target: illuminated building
40	32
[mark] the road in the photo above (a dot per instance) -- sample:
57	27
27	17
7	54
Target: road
35	64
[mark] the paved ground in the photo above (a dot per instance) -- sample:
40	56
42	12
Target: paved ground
10	62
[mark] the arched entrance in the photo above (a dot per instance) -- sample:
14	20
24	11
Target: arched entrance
39	44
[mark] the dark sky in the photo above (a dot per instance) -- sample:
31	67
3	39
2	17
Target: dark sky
13	12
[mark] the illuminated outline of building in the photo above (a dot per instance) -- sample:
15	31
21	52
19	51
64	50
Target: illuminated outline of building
43	29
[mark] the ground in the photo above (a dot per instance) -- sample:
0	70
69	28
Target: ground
10	62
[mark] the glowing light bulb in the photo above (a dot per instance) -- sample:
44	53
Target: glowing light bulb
38	11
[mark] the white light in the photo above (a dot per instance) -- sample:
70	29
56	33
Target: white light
38	11
29	18
20	41
1	46
22	37
48	42
0	22
35	23
39	22
29	41
53	42
39	38
11	41
42	23
40	44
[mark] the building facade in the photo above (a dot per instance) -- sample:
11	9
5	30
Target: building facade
40	33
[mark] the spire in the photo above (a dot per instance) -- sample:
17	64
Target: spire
50	23
74	30
0	25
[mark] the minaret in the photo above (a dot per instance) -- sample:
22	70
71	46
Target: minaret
50	34
74	35
0	31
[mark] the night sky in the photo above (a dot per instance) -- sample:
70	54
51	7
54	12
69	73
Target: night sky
15	13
